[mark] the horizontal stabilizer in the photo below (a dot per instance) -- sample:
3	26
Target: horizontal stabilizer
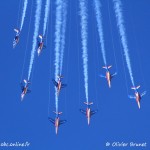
88	103
58	113
135	87
107	67
26	81
59	76
41	37
16	30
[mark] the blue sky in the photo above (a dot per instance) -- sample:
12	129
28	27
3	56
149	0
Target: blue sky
118	118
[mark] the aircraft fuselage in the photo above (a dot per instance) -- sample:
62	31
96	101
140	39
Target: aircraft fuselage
88	114
108	77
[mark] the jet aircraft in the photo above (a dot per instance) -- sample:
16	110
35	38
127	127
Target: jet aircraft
24	88
108	75
16	39
57	122
88	112
137	96
59	84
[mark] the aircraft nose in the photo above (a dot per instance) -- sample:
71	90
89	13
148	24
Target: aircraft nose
88	121
56	130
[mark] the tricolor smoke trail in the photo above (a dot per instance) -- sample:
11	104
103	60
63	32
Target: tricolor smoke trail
122	32
47	8
97	6
83	14
36	29
23	13
58	25
63	31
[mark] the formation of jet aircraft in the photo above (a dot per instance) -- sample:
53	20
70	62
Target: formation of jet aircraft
59	85
88	112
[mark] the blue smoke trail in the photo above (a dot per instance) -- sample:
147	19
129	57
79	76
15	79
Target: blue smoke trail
64	11
122	32
97	6
58	24
47	8
36	29
23	13
83	13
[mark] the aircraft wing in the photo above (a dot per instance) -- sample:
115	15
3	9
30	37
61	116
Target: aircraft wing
143	93
28	91
44	46
14	43
54	82
131	96
83	111
63	85
51	120
62	121
93	112
114	74
102	76
22	87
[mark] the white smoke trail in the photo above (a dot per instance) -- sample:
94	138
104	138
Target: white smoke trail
64	11
47	8
83	13
122	32
97	6
23	13
58	25
36	29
